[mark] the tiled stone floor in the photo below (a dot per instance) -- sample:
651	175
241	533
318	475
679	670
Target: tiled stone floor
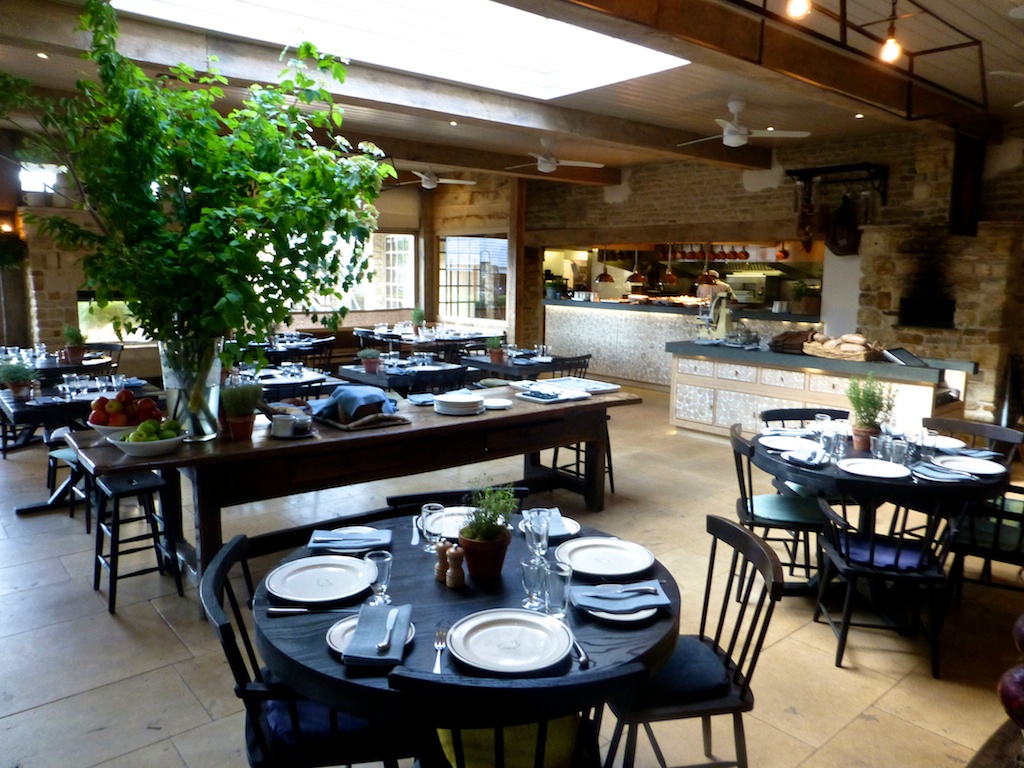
149	687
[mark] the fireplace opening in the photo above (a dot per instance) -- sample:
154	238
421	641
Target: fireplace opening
927	311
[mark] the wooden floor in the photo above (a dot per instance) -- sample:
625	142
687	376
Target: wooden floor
149	686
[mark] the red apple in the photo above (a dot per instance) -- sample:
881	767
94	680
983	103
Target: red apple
99	417
117	420
114	406
146	403
125	396
131	410
99	404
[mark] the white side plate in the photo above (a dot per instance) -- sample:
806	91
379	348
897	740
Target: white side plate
340	635
320	579
970	464
509	640
571	528
786	443
604	556
873	468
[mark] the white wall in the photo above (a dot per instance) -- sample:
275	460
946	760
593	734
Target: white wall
840	293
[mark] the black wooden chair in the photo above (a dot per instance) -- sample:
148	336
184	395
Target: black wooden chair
110	349
571	366
283	728
1002	440
437	382
795	517
578	366
319	355
798	417
900	549
709	673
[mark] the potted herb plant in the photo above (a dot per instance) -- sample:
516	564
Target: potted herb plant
74	343
486	534
370	358
239	402
872	403
493	345
419	320
18	378
806	299
208	221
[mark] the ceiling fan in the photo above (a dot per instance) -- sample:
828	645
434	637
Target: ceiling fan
430	180
736	134
1011	75
548	163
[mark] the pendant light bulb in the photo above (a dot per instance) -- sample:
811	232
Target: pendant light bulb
670	277
892	50
604	277
635	277
797	9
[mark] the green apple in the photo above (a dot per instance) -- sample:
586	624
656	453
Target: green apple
166	434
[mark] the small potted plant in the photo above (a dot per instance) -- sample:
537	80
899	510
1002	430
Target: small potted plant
239	402
554	288
493	344
872	403
18	378
419	320
485	535
806	299
74	343
370	358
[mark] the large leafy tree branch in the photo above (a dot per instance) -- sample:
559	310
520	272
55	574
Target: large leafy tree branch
206	221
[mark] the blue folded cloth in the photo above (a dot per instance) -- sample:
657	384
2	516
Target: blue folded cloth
523	361
347	399
555	525
929	471
974	453
131	381
393	371
608	598
362	648
422	399
355	541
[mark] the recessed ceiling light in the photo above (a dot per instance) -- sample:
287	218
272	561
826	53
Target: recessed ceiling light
770	128
453	122
42	55
859	116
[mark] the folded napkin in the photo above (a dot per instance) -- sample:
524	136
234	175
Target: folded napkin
929	471
362	648
605	597
350	402
789	431
372	421
556	527
807	457
974	453
47	400
396	371
132	381
349	540
422	399
523	361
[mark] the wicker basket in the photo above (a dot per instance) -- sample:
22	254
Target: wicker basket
868	354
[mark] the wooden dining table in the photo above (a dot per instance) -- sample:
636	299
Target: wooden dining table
398	378
526	368
295	649
225	473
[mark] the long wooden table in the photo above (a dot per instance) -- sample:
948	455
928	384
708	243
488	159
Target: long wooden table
225	473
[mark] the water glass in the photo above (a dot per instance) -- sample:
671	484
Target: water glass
880	447
536	529
431	535
381	560
103	383
821	422
828	440
928	440
118	382
70	384
556	595
535	584
899	451
838	452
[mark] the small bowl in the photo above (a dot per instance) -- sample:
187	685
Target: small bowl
104	430
144	450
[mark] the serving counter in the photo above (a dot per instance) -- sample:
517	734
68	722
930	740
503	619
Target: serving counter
714	387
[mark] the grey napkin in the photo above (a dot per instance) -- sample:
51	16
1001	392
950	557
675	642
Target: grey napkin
362	648
523	361
555	525
602	598
930	471
809	457
789	431
394	371
974	453
131	381
422	399
356	542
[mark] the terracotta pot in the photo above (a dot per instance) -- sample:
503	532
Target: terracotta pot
21	390
485	558
370	364
74	355
862	437
240	427
497	355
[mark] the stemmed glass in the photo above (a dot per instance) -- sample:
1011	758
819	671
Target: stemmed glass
535	583
381	560
536	529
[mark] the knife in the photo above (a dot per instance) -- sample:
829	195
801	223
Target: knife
622	592
298	610
389	626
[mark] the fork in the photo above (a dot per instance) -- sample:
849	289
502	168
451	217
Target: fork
440	643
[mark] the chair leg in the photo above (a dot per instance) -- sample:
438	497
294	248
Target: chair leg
844	628
115	545
98	561
608	456
741	740
658	755
705	724
613	747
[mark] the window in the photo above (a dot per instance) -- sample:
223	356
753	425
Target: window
38	177
473	277
393	264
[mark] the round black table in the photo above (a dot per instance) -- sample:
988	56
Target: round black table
295	650
52	368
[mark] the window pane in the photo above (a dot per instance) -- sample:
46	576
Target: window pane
473	277
392	262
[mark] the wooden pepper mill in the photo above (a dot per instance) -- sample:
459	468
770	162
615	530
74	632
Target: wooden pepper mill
441	569
455	578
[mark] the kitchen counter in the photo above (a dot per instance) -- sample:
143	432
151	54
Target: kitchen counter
739	311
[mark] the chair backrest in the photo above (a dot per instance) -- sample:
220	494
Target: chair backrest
890	536
111	349
571	366
744	583
369	340
742	451
319	357
788	417
410	503
437	382
994	531
1002	440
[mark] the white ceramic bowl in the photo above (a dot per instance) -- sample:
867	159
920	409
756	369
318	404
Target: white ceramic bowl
105	430
144	450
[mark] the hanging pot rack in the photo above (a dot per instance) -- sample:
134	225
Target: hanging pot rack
874	174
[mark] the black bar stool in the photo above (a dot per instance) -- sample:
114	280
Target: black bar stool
143	486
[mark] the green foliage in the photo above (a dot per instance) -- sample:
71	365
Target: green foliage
419	317
368	354
240	399
16	373
493	342
13	249
493	507
872	402
73	336
205	220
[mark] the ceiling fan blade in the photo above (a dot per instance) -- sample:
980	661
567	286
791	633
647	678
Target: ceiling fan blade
725	124
421	174
1019	104
1004	73
522	165
780	134
456	181
698	141
579	164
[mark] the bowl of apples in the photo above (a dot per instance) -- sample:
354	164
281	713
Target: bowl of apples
122	412
150	438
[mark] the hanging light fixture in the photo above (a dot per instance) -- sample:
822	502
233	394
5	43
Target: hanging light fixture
891	50
670	277
604	277
635	276
797	9
705	278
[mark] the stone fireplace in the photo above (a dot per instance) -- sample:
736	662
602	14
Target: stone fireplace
947	296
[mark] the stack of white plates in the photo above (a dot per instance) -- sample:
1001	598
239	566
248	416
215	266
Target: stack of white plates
459	405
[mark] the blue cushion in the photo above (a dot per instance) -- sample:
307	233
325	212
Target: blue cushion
693	673
890	555
314	722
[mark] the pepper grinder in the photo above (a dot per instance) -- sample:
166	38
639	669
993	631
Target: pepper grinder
441	569
455	578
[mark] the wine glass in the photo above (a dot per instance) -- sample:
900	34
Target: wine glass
536	529
534	583
381	560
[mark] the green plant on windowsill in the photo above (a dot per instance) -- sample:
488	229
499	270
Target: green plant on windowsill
492	509
240	399
871	402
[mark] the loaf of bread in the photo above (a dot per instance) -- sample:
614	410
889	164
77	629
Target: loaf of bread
821	338
846	346
853	338
832	343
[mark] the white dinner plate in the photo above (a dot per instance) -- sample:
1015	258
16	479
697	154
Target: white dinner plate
949	443
873	468
970	464
448	522
571	528
641	615
604	556
509	640
497	403
340	635
320	579
787	443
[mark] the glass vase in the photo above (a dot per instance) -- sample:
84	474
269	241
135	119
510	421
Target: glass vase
191	371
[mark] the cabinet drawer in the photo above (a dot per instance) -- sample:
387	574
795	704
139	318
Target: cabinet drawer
830	385
692	403
734	372
776	377
695	367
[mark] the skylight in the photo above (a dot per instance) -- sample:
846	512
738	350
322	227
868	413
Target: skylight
473	42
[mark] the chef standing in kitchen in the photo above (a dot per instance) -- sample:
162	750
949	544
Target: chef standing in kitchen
710	291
